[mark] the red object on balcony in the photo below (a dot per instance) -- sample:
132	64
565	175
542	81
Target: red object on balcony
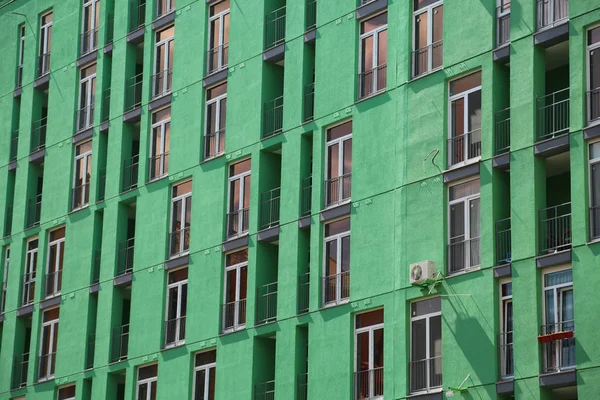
551	337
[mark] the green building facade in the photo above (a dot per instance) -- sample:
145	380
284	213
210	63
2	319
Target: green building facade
457	258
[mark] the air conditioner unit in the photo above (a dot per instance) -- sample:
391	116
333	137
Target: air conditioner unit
421	272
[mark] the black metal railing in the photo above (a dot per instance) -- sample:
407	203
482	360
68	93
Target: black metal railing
592	100
368	384
101	184
427	58
559	351
85	117
120	343
34	211
464	147
336	287
53	283
555	228
38	135
269	208
137	14
133	92
503	242
306	203
179	241
81	196
372	81
338	189
273	122
28	294
425	374
96	266
110	28
174	331
14	146
237	222
303	293
234	314
20	367
550	12
463	254
214	144
309	102
8	220
302	387
106	105
505	356
553	114
503	24
90	351
125	256
594	222
46	363
502	142
20	75
311	14
89	41
130	173
43	64
275	28
266	303
162	82
217	58
158	166
264	390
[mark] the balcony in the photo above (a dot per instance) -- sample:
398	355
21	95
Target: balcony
592	100
463	254
264	391
594	222
96	266
110	28
427	59
20	76
273	118
306	203
336	287
303	293
503	242
89	41
43	64
133	92
266	304
162	83
338	190
505	355
425	375
553	115
14	145
38	135
502	139
269	208
558	346
368	384
28	294
8	220
372	81
551	12
175	332
34	211
179	242
214	144
302	387
20	368
53	283
311	15
137	14
85	117
101	184
105	105
125	257
503	24
464	147
217	58
309	102
234	315
237	223
46	363
275	28
90	351
130	174
554	229
120	343
158	166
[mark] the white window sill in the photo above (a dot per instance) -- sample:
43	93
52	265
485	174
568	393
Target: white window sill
464	271
465	163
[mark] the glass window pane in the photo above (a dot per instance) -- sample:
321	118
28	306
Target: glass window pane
334	228
438	24
346	253
465	83
464	189
421	22
418	340
362	351
331	261
369	318
200	385
339	131
474	111
423	307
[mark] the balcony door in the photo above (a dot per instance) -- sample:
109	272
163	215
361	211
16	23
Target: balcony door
464	226
426	345
176	307
428	34
338	161
368	344
236	283
464	142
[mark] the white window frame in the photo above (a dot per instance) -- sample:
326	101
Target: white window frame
238	289
590	48
30	269
340	167
145	382
503	302
375	33
92	5
21	45
221	44
552	21
451	99
5	279
427	317
371	330
208	369
59	244
53	332
179	286
89	84
63	388
338	268
86	159
502	10
169	7
44	33
429	10
467	224
241	176
217	101
184	198
168	43
161	126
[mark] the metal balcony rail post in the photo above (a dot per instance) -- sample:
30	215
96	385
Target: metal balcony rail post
463	254
306	204
43	64
174	331
237	222
38	135
34	211
559	349
85	117
158	166
425	374
20	75
28	289
338	189
91	349
101	184
217	58
8	220
264	390
336	287
234	314
368	384
96	267
464	147
502	142
161	82
46	366
137	14
505	356
549	12
14	144
89	41
503	25
179	241
130	173
106	105
503	242
594	222
592	98
553	115
309	102
372	81
303	293
275	28
302	387
53	283
269	208
266	303
125	262
311	14
427	58
20	367
110	27
120	343
133	94
214	144
273	117
555	228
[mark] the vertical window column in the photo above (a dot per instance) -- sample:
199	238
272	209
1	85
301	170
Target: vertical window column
29	274
372	76
87	97
336	268
425	368
91	17
204	375
464	227
176	307
239	199
217	56
236	291
216	110
338	162
81	176
56	252
464	136
163	62
181	216
368	370
428	26
45	44
160	143
506	331
48	342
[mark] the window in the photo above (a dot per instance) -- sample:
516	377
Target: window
559	352
216	109
146	382
502	22
549	12
91	16
81	177
368	344
593	94
338	159
236	283
163	62
428	34
218	37
425	367
506	331
464	136
4	280
181	216
464	228
30	272
336	266
56	251
87	97
160	143
164	7
21	55
66	393
176	307
373	55
239	198
48	344
204	375
594	174
45	44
